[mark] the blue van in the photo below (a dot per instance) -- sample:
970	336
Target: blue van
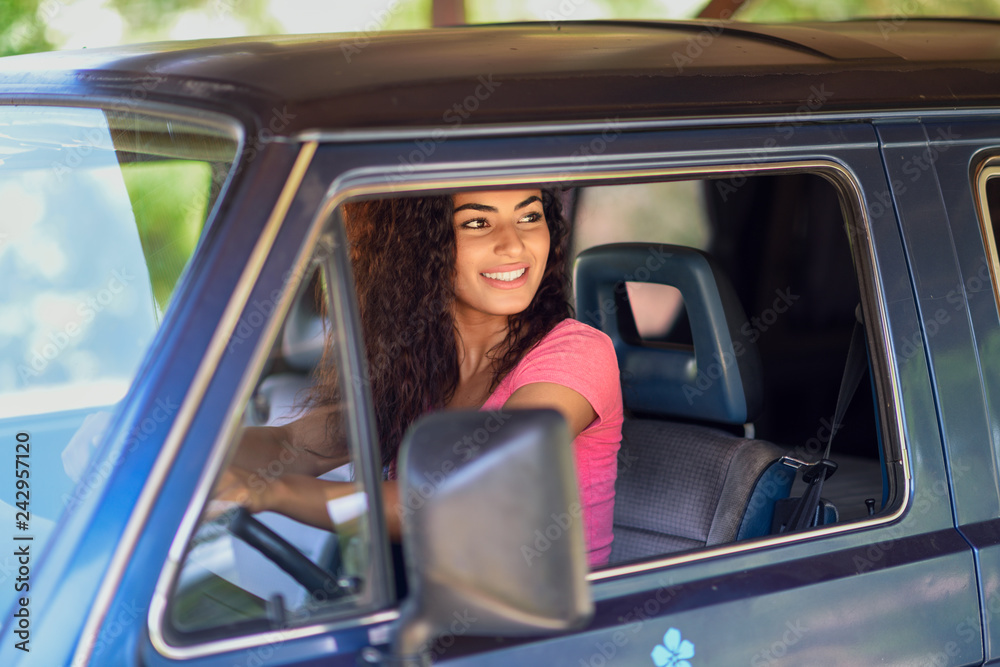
786	231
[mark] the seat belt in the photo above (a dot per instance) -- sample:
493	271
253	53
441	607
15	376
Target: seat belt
805	513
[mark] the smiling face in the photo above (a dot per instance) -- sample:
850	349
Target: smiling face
502	245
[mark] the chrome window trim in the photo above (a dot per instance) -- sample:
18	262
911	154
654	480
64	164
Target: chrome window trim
188	408
338	136
370	181
988	169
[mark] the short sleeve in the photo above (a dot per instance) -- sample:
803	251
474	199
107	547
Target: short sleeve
577	356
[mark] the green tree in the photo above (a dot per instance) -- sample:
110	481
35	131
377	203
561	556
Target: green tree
22	26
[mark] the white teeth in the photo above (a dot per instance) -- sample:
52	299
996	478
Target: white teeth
506	276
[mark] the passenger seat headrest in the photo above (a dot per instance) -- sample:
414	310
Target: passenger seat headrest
719	380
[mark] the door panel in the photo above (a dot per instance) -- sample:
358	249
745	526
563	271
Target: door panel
957	150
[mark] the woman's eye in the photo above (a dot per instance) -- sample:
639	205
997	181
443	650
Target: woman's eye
534	216
478	223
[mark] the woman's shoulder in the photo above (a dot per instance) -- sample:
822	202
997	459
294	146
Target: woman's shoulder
572	327
580	357
572	338
575	330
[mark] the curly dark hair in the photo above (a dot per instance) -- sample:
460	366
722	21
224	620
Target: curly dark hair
403	254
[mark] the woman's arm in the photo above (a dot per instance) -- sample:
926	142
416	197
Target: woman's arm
275	468
303	446
576	409
301	497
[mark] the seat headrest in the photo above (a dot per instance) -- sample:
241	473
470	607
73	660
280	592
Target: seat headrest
719	380
304	336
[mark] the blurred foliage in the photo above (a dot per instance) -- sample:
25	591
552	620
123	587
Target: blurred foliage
410	15
148	20
24	24
170	202
823	10
482	11
22	27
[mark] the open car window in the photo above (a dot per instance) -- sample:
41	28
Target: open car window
246	573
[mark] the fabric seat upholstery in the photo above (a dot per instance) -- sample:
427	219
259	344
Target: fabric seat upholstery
682	485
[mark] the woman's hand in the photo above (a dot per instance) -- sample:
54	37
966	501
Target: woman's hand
301	497
246	488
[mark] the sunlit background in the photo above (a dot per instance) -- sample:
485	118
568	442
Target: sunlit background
41	25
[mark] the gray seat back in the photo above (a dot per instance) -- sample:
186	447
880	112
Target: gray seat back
682	485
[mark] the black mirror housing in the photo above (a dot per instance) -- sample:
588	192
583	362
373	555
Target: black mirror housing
492	527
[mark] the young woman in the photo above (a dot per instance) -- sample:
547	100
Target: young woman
463	303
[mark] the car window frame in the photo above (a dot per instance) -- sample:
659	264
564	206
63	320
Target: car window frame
325	229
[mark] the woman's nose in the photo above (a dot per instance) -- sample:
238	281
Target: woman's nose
508	240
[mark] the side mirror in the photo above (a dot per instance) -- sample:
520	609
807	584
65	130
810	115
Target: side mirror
492	528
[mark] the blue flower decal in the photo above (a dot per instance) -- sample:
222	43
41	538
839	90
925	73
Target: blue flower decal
674	651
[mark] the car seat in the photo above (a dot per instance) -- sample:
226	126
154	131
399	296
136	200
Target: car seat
685	479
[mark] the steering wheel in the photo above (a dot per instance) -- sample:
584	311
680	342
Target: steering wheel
283	554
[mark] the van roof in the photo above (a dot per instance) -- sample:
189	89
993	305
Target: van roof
538	72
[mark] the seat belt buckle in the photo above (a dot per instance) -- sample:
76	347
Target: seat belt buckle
824	467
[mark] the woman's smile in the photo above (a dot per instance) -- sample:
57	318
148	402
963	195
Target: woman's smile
507	277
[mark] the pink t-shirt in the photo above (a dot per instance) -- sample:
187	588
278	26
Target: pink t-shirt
582	358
